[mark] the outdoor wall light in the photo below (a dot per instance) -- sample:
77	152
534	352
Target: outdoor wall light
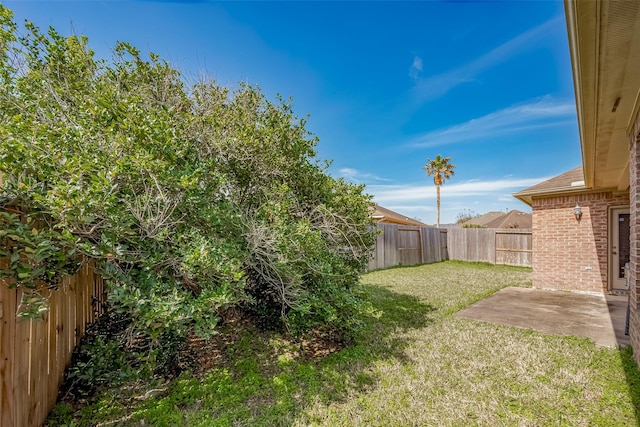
577	211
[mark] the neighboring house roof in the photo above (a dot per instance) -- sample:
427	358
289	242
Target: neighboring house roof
514	219
483	220
566	183
381	214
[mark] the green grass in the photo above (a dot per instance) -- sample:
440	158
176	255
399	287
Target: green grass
414	364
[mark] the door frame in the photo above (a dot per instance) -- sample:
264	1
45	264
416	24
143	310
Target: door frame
613	211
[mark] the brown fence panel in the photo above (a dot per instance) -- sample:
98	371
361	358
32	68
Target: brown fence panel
481	245
471	244
496	246
431	245
514	247
457	244
406	245
35	352
403	245
409	245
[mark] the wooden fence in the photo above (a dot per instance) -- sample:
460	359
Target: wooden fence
407	245
35	353
493	245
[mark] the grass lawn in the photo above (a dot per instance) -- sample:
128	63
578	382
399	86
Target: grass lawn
414	364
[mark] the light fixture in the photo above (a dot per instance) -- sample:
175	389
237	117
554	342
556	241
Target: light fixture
577	211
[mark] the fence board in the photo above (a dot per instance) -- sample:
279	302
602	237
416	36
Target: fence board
7	354
427	242
444	245
52	318
21	369
391	255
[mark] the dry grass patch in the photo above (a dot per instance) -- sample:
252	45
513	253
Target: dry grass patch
463	372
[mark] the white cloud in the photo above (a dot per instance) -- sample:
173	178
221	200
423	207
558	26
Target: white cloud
436	86
540	113
398	194
356	176
418	201
416	68
348	172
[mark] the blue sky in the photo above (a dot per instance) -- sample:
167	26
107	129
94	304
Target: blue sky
386	84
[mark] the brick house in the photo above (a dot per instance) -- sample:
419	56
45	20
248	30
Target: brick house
586	222
574	253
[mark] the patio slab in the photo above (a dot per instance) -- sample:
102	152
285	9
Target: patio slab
598	317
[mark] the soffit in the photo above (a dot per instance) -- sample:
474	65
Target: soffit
604	39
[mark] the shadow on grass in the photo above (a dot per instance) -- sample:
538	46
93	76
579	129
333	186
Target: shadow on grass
396	313
632	373
266	379
398	310
335	378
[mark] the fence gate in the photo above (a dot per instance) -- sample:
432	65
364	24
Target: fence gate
406	245
409	246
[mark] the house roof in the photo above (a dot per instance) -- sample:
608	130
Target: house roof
568	182
381	214
485	219
514	219
604	43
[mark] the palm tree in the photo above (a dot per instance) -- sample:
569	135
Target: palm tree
441	170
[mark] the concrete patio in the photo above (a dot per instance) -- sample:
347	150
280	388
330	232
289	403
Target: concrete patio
598	317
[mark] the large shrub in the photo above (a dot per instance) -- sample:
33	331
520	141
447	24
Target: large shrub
192	199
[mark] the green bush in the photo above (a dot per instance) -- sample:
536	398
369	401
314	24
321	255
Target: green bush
191	199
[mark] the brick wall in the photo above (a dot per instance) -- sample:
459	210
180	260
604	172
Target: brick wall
570	254
634	190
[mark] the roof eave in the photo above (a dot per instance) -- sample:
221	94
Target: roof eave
584	55
527	196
